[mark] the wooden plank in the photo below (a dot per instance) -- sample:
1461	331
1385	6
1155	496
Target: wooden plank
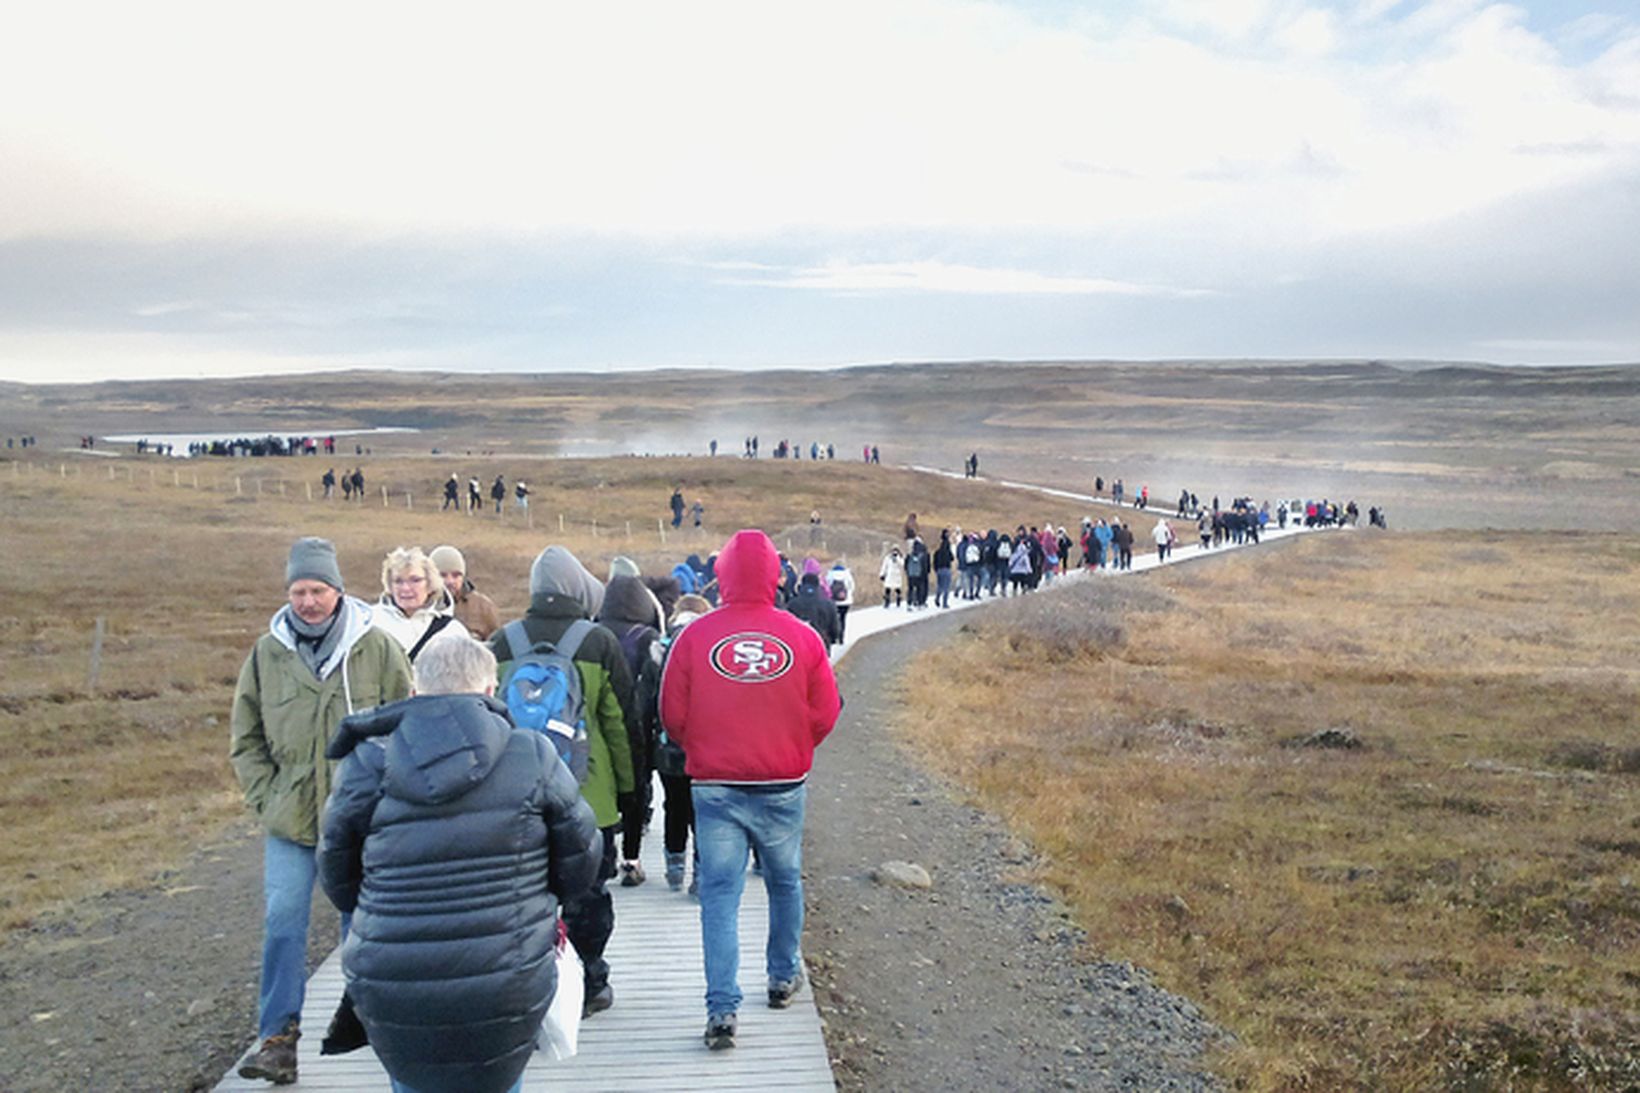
651	1039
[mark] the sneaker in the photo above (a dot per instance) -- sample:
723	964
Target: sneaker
598	1000
631	874
674	871
694	884
275	1060
781	991
720	1031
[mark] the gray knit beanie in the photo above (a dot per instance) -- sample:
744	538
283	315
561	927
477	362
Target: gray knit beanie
449	560
313	559
622	566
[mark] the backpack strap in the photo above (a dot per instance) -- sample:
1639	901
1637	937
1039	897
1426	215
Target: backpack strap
570	643
518	641
432	630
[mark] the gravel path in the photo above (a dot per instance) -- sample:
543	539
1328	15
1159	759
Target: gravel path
979	982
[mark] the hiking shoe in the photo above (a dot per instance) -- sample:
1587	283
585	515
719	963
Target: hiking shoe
782	990
674	871
275	1060
631	874
720	1031
598	1000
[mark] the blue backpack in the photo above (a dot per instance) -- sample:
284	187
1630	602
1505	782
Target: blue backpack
542	691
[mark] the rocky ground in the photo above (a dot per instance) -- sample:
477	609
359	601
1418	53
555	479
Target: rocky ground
153	990
976	981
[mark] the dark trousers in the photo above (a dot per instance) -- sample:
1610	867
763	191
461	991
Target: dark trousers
590	918
636	818
842	619
680	812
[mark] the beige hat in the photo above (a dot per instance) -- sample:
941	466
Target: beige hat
449	560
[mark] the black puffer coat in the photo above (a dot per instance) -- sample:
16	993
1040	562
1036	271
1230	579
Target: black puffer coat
451	836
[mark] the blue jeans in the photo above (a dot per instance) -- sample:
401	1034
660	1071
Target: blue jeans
288	875
400	1087
728	821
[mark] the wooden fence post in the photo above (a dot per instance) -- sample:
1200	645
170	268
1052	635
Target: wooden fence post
408	503
96	657
281	487
560	523
309	490
238	486
660	525
384	497
111	472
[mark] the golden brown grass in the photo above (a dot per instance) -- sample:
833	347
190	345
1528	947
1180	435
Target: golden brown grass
1454	905
104	790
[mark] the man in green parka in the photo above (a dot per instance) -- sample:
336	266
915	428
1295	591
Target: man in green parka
562	591
319	661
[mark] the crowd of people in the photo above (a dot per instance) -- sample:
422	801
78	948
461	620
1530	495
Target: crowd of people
494	777
257	446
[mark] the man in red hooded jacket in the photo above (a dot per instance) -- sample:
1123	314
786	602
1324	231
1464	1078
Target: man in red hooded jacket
748	692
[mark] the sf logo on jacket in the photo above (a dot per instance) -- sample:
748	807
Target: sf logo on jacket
750	657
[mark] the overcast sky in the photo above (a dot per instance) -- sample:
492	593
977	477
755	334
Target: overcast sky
211	189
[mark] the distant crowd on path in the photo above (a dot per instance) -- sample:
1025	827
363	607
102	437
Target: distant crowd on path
751	448
241	447
460	826
22	442
996	563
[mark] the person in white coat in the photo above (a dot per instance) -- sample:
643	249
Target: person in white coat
1163	534
892	574
414	605
839	584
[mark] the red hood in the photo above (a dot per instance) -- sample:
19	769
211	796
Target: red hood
748	569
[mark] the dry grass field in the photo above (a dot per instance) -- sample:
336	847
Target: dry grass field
1450	905
1454	904
1438	445
105	789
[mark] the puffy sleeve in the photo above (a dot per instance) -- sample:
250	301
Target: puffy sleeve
347	816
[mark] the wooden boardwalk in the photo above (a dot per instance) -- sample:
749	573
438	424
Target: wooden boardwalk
651	1039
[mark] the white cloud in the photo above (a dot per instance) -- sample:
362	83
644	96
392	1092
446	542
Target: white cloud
746	118
878	277
1310	34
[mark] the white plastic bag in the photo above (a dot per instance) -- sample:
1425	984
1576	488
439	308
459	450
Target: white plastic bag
562	1027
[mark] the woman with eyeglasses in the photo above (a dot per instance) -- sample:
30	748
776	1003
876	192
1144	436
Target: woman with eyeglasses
414	605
